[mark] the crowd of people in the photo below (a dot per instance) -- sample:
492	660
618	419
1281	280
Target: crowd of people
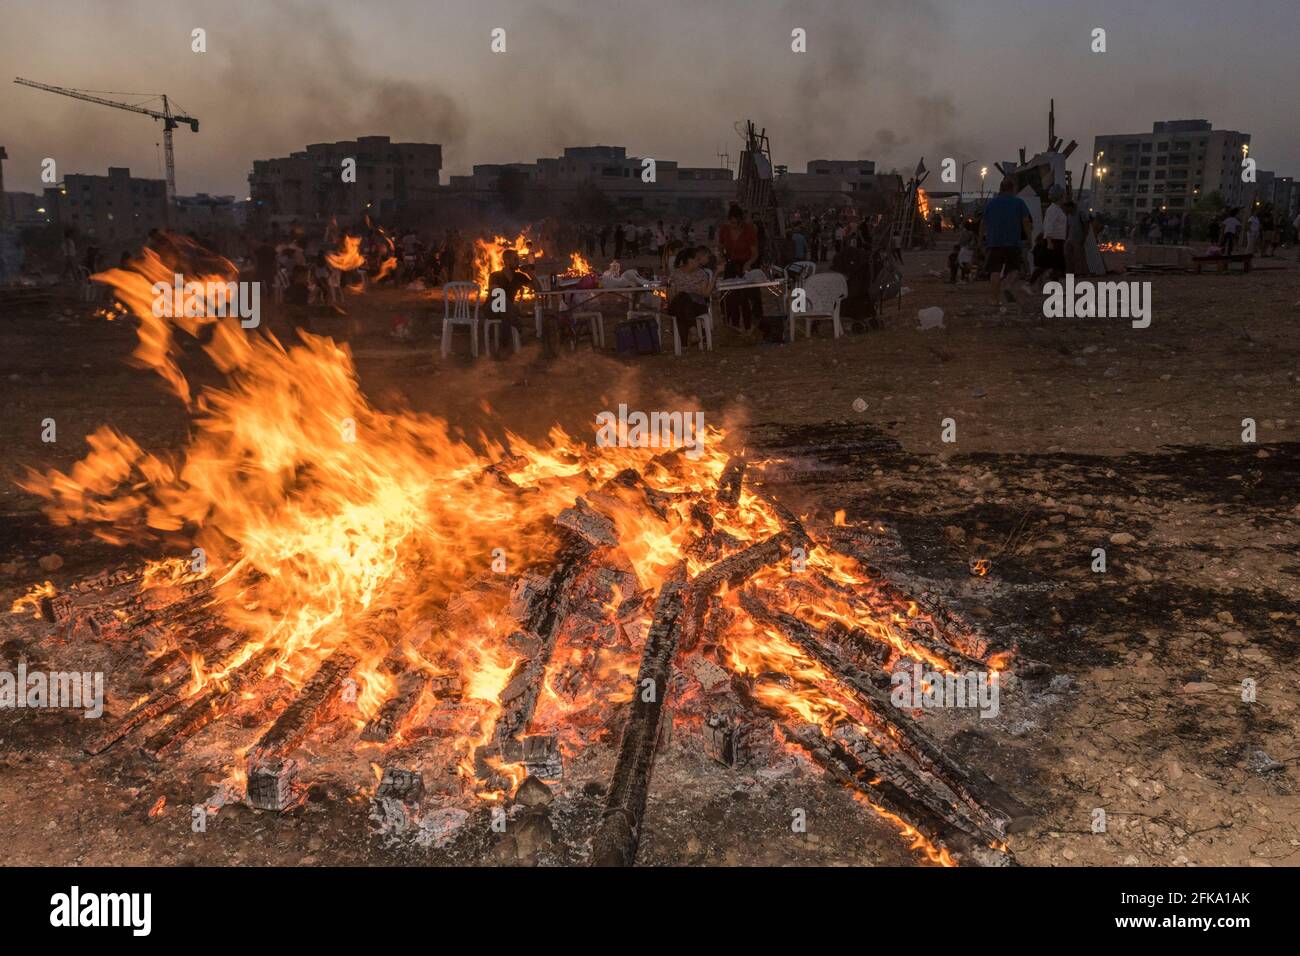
991	243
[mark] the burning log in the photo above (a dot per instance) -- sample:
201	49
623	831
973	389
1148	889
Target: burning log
298	719
396	709
680	609
210	705
410	686
995	811
156	704
863	770
270	770
540	611
732	572
588	524
934	628
270	785
618	834
733	478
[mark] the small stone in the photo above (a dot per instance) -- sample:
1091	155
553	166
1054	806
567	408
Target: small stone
50	562
533	793
1259	762
1122	537
533	832
1198	687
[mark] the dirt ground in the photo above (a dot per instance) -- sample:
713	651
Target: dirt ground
1071	435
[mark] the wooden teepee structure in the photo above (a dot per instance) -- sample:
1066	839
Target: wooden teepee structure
755	192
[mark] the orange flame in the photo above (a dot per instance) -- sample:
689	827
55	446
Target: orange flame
349	257
488	255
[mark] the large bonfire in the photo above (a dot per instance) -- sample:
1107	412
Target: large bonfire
317	515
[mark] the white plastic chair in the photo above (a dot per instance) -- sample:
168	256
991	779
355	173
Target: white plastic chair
822	297
796	274
595	319
456	299
492	335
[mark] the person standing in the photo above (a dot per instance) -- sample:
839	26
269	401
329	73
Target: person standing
658	237
619	237
1056	228
1006	221
1231	226
738	240
1253	230
1076	260
800	243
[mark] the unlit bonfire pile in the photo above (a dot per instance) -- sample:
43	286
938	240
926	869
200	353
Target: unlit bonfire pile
764	647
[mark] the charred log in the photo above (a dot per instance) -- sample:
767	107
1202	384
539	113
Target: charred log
617	836
316	697
996	811
732	480
385	724
211	704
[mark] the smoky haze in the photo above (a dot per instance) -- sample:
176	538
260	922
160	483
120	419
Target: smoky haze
887	80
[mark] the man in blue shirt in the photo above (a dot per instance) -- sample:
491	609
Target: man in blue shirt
1006	223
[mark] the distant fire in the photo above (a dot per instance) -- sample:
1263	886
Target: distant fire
922	203
579	266
1113	247
349	257
488	255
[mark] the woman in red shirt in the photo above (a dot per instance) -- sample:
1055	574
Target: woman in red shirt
739	243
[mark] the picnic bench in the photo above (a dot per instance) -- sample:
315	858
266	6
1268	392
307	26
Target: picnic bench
1222	261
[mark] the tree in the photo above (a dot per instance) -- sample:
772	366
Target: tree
1205	211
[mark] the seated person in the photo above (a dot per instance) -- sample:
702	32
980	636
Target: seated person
689	288
511	280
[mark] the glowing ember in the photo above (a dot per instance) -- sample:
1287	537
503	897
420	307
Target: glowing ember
1113	247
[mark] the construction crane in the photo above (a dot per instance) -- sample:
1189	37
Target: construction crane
170	120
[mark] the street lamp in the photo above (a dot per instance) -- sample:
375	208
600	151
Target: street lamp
984	171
